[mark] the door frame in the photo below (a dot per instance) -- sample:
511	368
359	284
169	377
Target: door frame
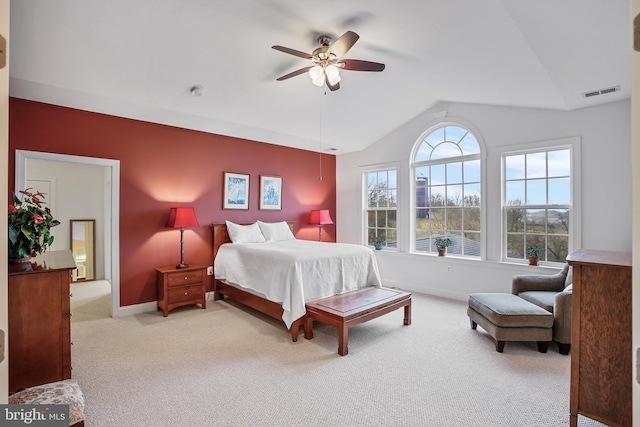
112	250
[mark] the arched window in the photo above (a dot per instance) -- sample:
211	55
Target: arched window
447	198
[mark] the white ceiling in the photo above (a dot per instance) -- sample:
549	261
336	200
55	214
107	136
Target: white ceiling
139	59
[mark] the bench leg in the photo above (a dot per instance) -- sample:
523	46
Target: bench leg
499	346
308	328
407	313
343	340
474	325
542	346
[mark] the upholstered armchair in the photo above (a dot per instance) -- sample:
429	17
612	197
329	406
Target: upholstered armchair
553	293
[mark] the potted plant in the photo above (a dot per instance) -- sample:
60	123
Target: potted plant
442	243
533	253
379	240
29	226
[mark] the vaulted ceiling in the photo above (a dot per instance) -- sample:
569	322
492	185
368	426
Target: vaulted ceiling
139	59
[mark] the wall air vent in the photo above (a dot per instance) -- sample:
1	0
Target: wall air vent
601	91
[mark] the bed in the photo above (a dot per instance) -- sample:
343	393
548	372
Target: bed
267	277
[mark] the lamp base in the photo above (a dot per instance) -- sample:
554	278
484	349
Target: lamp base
182	266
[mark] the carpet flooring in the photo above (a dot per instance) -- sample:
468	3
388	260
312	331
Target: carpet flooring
231	366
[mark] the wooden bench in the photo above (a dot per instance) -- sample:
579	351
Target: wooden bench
355	307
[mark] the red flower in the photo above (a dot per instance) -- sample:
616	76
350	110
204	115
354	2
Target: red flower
37	218
12	208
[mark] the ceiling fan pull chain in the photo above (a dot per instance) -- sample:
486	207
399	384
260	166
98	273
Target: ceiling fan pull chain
322	92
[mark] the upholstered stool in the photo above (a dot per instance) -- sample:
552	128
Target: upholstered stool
66	392
507	317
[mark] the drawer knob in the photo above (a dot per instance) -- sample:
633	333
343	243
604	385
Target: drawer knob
185	278
186	293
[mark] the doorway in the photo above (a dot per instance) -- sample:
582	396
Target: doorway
112	196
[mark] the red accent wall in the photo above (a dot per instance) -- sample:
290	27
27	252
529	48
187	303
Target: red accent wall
162	167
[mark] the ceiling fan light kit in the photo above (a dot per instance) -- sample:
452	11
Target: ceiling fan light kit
317	75
328	61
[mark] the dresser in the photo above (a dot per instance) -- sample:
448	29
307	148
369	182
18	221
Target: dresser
601	359
180	286
39	320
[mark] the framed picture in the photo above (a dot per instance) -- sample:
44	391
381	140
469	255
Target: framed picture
270	192
236	191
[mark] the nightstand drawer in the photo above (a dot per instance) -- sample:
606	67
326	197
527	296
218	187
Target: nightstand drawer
184	278
185	293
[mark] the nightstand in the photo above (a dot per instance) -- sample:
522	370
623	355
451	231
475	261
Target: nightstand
181	286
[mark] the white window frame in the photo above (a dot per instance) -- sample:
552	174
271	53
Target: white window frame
575	211
483	198
365	170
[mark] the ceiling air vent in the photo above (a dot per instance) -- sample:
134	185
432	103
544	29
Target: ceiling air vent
601	91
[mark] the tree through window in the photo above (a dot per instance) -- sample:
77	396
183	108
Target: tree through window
537	203
447	170
382	205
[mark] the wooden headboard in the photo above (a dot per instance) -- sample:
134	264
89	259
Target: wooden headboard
221	235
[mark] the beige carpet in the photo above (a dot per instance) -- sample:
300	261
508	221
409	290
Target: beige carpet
229	366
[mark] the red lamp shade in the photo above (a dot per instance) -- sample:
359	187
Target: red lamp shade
182	217
320	217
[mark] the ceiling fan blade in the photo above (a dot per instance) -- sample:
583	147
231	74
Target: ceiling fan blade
343	44
358	65
295	73
331	87
293	52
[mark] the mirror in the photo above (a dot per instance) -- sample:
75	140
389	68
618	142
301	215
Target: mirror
83	248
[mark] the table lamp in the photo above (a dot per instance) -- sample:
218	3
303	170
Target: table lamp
320	218
181	218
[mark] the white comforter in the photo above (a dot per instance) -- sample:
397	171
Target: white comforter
295	271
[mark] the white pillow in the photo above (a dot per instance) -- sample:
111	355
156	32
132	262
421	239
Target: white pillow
244	233
276	231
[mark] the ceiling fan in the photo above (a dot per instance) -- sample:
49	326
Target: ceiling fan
327	59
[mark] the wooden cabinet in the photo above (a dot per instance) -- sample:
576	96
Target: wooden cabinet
39	320
601	359
180	286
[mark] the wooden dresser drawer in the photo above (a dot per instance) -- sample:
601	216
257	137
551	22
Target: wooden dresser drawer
184	278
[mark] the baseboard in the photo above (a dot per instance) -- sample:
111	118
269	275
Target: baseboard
425	290
130	310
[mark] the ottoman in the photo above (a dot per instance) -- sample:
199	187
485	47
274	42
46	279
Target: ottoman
65	392
507	317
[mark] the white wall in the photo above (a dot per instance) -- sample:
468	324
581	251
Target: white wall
605	133
79	194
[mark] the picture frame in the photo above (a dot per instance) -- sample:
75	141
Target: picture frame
236	191
270	192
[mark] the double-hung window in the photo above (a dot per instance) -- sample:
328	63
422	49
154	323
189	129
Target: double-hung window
538	207
381	207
